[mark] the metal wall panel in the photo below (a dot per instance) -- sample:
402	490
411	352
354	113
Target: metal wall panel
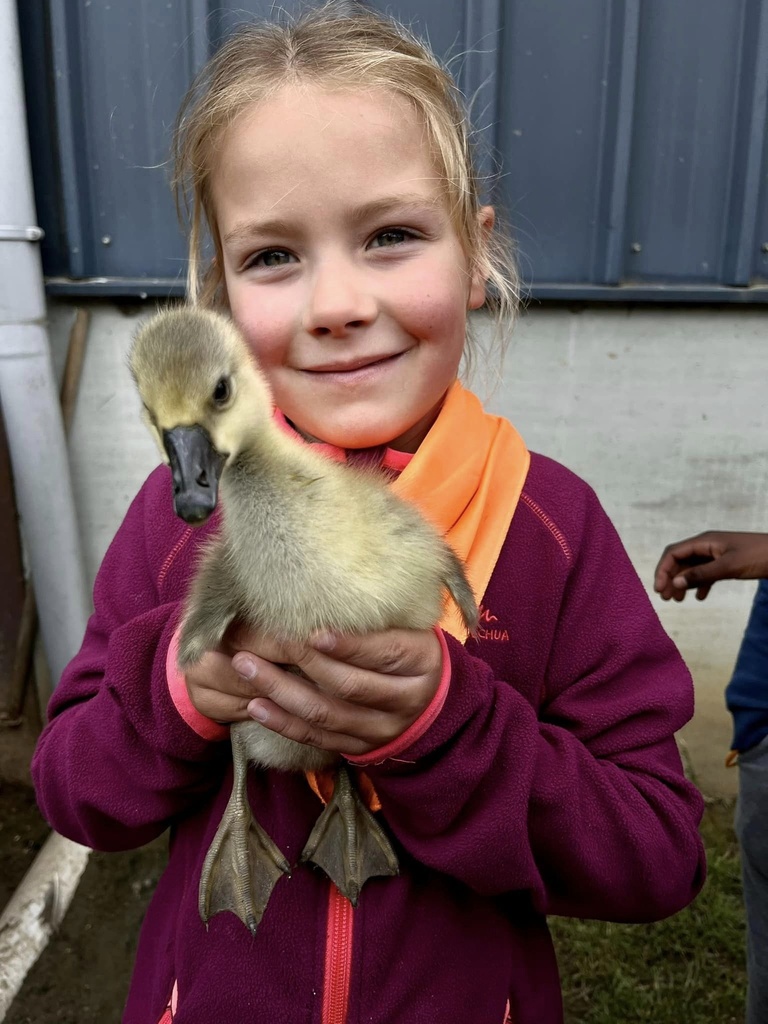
120	72
631	135
746	250
553	87
685	138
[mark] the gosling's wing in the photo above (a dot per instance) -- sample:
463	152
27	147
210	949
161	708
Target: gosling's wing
211	606
458	586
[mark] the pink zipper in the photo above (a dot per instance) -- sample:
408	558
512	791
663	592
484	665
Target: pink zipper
338	958
170	1009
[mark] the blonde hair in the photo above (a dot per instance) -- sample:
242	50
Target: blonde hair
338	45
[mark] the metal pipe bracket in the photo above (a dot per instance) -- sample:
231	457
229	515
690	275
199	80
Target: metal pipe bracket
9	233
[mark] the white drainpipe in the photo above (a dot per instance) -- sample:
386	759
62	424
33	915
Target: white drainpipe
38	451
28	393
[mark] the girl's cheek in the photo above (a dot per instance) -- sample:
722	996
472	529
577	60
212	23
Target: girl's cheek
266	328
264	339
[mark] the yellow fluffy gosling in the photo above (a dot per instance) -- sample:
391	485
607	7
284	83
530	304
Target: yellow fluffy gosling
306	544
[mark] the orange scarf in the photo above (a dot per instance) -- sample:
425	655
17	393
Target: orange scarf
466	479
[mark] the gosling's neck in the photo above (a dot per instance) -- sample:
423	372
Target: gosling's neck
268	452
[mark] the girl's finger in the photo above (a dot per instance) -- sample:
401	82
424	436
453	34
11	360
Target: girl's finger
354	685
216	690
278	720
396	694
404	652
321	711
216	674
220	707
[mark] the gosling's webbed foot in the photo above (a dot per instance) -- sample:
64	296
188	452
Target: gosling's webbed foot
240	870
243	863
348	843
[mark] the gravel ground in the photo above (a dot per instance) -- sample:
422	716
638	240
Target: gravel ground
82	976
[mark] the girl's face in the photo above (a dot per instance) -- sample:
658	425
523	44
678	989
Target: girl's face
341	265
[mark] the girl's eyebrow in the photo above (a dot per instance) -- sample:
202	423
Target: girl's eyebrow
405	203
408	203
247	230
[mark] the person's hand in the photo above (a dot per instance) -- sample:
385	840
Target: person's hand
359	693
217	690
698	562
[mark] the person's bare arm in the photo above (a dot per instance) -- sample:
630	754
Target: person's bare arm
697	563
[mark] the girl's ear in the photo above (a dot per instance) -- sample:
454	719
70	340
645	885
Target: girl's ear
486	216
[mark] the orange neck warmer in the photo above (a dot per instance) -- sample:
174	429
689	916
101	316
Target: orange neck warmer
466	479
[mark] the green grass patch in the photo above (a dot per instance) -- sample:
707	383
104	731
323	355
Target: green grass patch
687	970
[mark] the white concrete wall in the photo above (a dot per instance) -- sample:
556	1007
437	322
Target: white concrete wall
663	411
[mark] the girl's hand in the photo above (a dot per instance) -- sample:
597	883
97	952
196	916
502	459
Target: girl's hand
699	562
360	693
216	689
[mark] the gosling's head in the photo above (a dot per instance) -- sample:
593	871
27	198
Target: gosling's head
203	398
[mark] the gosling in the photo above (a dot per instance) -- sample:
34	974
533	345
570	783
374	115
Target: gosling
305	545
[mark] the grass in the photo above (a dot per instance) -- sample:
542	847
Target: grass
687	970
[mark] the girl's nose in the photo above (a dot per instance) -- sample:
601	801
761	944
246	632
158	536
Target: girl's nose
338	302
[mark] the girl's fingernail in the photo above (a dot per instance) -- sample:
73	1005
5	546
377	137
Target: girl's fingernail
245	667
323	641
258	711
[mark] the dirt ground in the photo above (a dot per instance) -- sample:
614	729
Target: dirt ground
82	976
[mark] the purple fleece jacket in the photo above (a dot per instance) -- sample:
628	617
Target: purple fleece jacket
550	783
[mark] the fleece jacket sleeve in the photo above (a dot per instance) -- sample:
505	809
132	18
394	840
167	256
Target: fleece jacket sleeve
581	802
117	761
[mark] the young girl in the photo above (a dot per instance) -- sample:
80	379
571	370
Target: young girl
528	770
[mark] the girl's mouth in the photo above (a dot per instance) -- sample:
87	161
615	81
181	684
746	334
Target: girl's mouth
355	371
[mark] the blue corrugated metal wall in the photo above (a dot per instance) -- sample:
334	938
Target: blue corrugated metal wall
631	135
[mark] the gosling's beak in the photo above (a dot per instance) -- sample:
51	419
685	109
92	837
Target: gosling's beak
196	467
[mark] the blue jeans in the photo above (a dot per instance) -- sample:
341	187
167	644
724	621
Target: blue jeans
752	831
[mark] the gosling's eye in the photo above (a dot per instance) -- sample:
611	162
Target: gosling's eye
222	391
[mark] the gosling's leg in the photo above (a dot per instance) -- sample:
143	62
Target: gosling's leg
243	864
348	843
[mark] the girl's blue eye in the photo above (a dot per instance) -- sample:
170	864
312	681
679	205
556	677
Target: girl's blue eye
391	236
271	258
